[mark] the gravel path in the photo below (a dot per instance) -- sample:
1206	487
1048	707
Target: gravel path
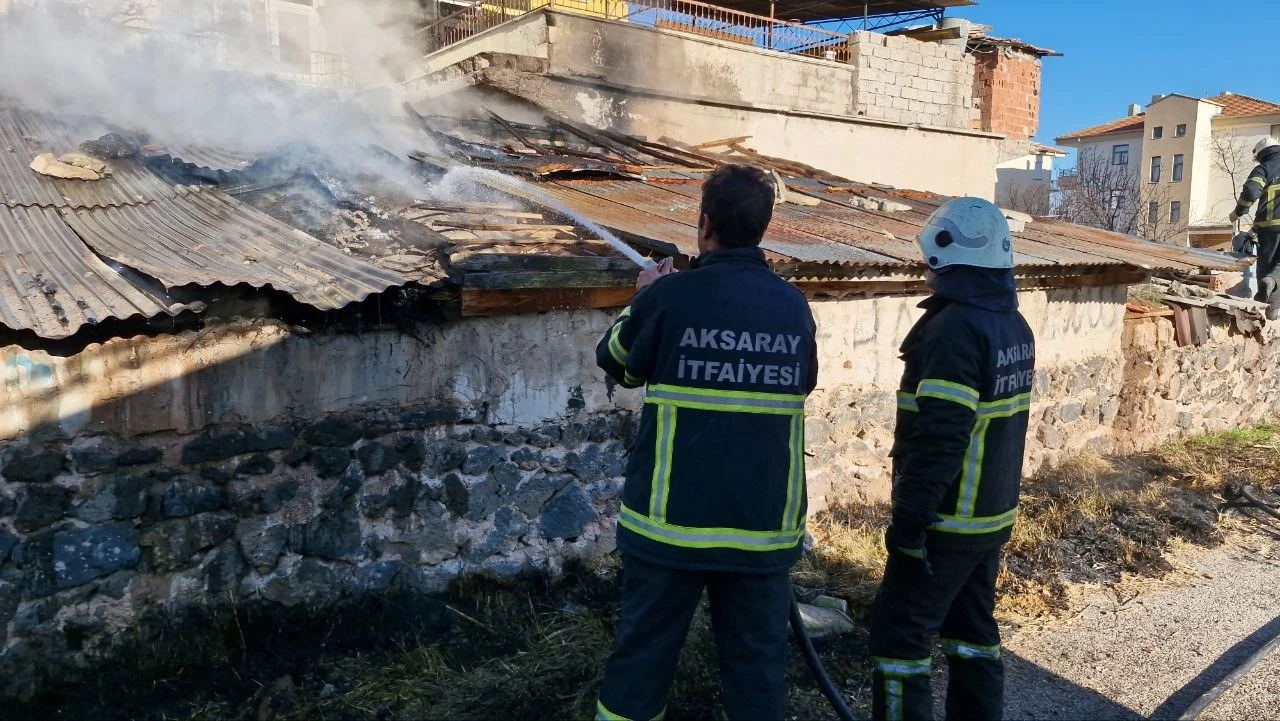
1153	655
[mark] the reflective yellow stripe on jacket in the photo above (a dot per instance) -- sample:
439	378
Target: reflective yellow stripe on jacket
670	399
964	521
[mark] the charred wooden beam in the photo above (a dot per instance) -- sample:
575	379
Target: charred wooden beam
484	301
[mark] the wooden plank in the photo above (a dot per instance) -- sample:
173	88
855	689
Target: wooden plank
483	302
719	143
595	138
515	133
527	227
932	36
479	262
550	279
671	155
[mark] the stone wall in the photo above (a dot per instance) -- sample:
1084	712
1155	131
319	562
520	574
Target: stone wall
489	445
101	529
903	80
849	429
1227	382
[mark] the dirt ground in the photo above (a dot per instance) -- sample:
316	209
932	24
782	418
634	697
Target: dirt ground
1148	653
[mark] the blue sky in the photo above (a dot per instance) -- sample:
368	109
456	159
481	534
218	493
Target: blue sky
1124	51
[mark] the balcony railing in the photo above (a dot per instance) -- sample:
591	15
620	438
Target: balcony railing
681	15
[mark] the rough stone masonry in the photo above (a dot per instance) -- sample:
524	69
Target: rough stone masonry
296	514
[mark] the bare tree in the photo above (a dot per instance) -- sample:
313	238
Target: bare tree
1101	194
1229	153
1030	197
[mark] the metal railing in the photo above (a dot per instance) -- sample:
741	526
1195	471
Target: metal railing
682	15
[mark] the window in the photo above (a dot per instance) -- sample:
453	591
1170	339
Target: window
295	41
1177	168
1155	168
1120	154
1175	211
1275	131
1180	131
1039	162
1116	197
1157	132
1153	212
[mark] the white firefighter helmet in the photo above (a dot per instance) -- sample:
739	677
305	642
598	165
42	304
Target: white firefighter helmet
1267	142
967	231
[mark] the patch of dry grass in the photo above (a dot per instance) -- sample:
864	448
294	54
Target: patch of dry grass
1086	520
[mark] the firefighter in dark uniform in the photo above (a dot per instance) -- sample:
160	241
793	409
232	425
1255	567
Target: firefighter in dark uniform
1263	187
957	463
715	488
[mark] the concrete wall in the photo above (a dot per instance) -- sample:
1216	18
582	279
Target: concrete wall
903	80
517	370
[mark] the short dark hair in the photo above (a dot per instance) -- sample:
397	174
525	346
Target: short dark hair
737	201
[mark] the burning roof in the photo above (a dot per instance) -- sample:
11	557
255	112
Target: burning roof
139	241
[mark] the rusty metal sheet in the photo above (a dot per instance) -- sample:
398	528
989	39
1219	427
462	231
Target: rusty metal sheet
618	207
25	135
207	237
1158	253
46	264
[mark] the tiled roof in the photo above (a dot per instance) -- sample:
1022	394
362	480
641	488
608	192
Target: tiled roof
1122	125
1236	105
1233	105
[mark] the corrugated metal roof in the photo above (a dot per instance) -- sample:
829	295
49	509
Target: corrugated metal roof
203	156
25	135
206	237
837	231
46	264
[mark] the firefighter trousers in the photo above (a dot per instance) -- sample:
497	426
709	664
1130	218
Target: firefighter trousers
749	616
1268	257
957	601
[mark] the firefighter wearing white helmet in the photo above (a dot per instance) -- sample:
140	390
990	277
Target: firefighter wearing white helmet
1263	187
967	231
963	408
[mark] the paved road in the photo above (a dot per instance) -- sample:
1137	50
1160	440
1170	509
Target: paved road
1154	655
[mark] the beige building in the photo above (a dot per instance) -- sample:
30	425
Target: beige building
1186	159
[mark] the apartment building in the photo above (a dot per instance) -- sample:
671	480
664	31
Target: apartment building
1184	160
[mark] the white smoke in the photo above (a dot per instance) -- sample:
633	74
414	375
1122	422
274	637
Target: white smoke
244	75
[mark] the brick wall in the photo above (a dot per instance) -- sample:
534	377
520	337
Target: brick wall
1006	90
908	81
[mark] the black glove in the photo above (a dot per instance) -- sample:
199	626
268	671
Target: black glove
908	543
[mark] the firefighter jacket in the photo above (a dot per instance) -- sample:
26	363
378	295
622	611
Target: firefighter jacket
1263	186
962	412
715	478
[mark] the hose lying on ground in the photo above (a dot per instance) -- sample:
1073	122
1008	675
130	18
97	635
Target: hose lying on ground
1194	710
1251	499
843	712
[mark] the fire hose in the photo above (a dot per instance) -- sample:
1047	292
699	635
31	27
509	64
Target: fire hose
1252	500
825	684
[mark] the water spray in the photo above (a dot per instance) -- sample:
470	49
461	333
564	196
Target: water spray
500	181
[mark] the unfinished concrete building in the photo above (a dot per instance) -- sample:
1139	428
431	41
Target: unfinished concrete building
935	109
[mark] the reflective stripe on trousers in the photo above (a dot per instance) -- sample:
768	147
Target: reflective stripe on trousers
604	714
894	670
963	649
